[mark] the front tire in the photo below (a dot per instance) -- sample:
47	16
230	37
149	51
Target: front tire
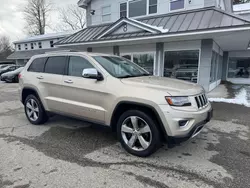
34	110
138	133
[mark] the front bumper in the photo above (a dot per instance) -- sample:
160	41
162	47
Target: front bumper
171	119
193	132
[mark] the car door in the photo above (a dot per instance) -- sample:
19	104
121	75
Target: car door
50	82
83	97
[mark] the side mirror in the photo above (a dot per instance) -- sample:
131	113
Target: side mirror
92	73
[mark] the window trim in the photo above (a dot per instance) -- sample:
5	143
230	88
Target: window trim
124	2
152	6
19	47
32	46
141	16
176	10
106	13
147	9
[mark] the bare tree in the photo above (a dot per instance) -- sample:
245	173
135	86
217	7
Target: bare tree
72	18
36	13
5	47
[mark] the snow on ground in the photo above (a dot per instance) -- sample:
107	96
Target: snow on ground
240	98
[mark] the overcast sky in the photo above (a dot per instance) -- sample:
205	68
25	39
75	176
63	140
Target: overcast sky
11	18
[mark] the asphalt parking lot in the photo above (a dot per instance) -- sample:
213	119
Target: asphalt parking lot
70	153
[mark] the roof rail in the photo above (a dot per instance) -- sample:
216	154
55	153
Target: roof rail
58	51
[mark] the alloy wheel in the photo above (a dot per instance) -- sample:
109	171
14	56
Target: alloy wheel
32	110
136	133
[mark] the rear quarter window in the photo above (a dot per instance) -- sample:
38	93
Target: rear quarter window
37	65
56	65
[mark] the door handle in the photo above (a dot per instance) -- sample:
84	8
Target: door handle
39	77
68	81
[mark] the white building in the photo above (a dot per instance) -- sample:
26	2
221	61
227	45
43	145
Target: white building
26	48
197	40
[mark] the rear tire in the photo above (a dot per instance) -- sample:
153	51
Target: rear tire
138	133
34	110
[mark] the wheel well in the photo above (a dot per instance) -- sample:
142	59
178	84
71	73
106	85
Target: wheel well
28	91
125	106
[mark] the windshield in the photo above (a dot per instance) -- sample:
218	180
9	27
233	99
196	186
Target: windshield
120	67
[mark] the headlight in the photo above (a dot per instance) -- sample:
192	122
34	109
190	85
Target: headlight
178	101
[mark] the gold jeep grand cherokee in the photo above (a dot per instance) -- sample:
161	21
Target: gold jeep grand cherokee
109	90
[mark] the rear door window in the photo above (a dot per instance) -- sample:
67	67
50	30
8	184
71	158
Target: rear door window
56	65
77	64
37	65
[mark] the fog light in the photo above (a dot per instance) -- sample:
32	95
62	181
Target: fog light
182	123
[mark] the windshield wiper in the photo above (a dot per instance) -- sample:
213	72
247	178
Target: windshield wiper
145	74
126	76
131	76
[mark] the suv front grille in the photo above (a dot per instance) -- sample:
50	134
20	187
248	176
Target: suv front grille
201	101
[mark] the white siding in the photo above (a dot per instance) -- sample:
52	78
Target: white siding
104	50
208	3
45	45
138	48
163	8
183	45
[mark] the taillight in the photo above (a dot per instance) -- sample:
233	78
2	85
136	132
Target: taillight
19	76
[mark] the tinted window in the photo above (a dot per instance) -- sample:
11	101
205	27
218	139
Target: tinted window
37	65
55	65
77	64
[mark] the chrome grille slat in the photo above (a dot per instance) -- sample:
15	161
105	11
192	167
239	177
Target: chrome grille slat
201	101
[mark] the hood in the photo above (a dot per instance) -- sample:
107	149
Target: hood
172	86
6	74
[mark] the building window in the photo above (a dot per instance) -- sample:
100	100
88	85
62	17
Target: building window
32	46
238	68
51	44
152	6
40	45
123	10
176	4
137	8
216	67
145	60
19	46
26	46
182	65
235	2
106	13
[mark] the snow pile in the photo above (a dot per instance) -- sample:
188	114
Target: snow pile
240	98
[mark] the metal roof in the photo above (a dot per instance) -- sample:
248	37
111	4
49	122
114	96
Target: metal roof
186	21
29	53
45	37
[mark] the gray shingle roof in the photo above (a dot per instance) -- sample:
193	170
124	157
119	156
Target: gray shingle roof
29	53
186	21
